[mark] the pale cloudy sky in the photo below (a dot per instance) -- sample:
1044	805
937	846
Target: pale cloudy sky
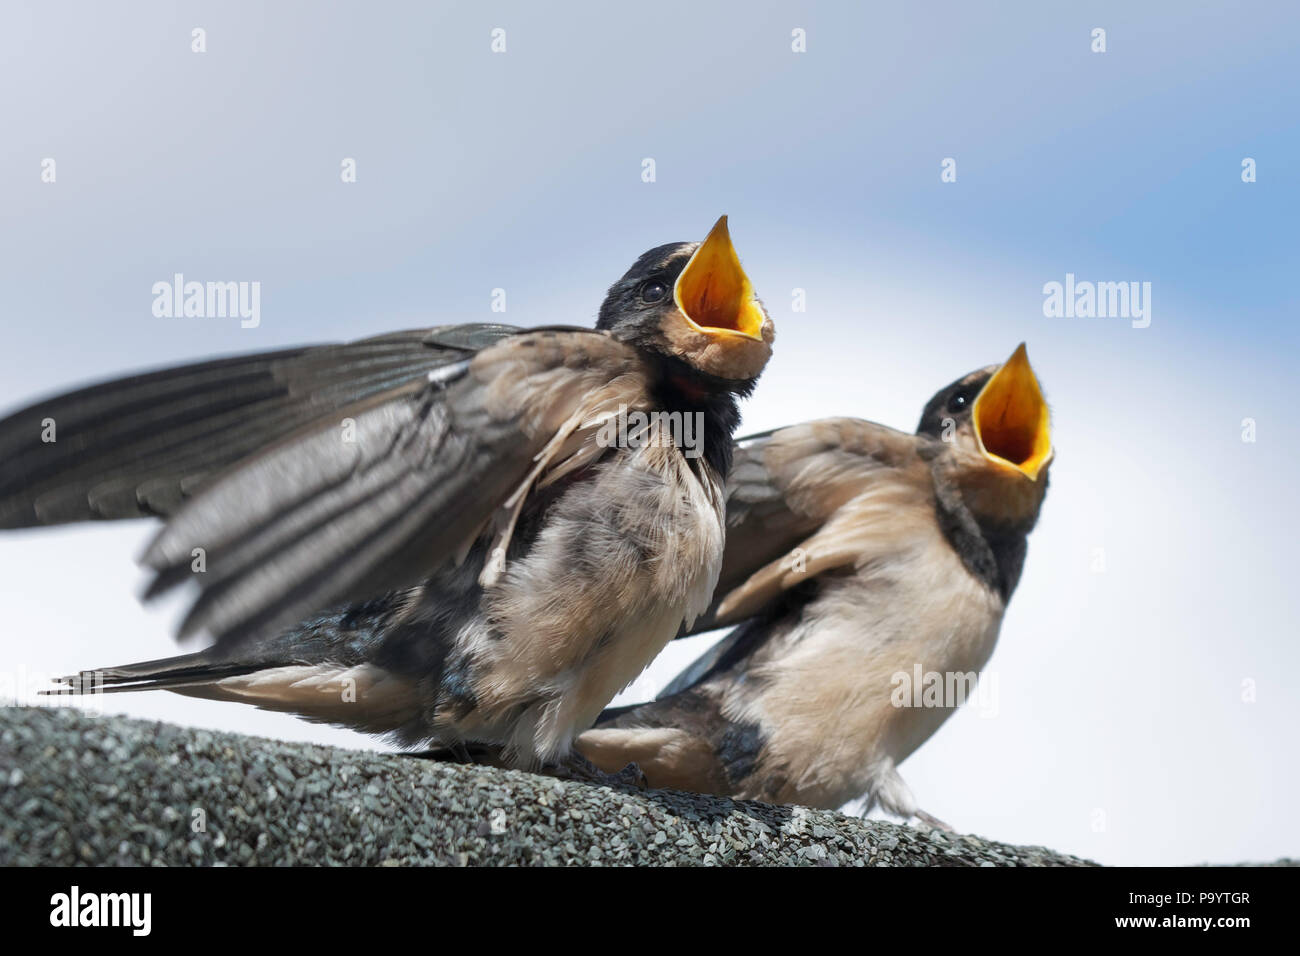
1145	712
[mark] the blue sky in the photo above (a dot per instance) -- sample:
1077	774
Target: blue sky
1120	691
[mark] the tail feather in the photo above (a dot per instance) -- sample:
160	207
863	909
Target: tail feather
162	674
332	670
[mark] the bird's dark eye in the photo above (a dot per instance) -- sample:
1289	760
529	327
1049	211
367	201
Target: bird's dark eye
959	400
653	291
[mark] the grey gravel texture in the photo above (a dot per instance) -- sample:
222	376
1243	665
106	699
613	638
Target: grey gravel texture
79	789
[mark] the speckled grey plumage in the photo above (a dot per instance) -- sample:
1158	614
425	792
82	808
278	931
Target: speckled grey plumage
79	789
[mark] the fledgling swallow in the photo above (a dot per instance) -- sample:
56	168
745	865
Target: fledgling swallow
854	554
472	563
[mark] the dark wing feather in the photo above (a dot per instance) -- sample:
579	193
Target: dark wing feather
346	510
785	484
141	445
762	523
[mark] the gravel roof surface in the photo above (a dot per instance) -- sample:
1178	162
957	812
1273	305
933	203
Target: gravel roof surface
76	788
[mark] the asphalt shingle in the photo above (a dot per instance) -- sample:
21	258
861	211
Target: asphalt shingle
80	789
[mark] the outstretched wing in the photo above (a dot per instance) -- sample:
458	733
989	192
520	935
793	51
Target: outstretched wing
386	490
371	493
138	446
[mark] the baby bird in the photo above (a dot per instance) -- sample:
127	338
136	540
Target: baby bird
857	558
474	558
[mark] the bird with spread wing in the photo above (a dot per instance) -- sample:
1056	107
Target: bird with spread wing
421	534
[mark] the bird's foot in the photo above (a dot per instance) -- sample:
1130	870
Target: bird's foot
461	752
451	753
632	776
934	823
577	767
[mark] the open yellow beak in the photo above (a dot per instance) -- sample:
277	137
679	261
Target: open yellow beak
714	293
1011	419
